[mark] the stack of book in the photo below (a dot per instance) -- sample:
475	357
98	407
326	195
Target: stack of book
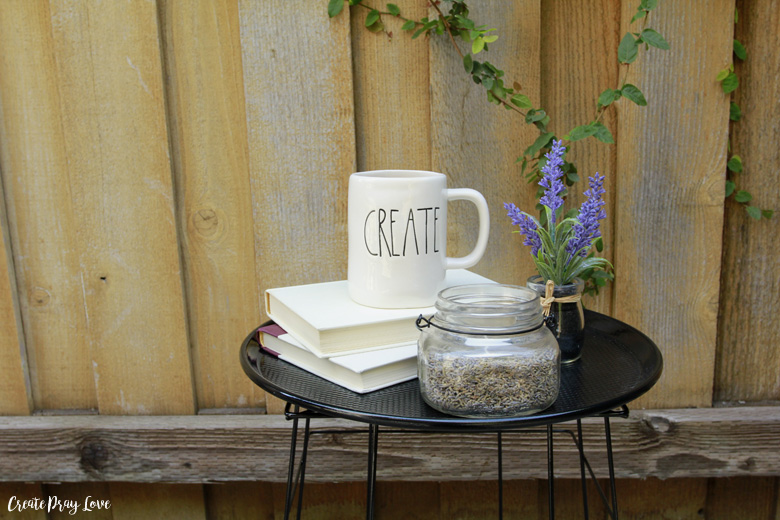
320	329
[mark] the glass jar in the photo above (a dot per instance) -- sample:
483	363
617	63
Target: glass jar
566	319
486	353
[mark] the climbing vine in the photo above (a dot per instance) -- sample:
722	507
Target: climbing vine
452	19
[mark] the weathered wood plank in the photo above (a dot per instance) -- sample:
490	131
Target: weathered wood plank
748	328
476	143
35	166
116	140
207	125
392	94
579	61
670	192
654	443
301	138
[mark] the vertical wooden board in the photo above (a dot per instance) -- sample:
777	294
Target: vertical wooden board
673	499
12	498
207	123
479	499
301	138
579	61
143	501
671	163
747	498
568	499
14	394
748	328
41	220
392	94
239	501
110	84
476	143
407	500
337	501
78	500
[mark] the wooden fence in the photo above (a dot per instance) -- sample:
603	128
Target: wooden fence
163	163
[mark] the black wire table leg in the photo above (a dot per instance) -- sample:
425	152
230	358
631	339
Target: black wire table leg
500	480
291	469
373	442
306	434
611	468
581	448
550	473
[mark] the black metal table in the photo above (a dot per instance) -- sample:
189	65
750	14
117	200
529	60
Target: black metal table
618	364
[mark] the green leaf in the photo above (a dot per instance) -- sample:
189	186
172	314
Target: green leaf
477	45
722	75
372	17
335	7
376	26
730	83
581	132
521	101
573	177
418	33
739	50
735	164
599	243
468	63
754	212
535	115
409	25
641	13
634	94
603	134
730	187
393	9
743	196
628	49
541	142
653	38
735	113
490	39
648	5
767	213
608	97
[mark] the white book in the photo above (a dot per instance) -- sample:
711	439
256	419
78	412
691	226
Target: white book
361	373
329	323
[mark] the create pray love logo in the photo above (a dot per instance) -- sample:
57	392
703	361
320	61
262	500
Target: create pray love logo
55	504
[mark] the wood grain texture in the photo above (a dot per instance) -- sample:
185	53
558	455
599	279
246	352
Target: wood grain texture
15	397
742	497
476	143
113	120
392	94
669	211
240	500
748	328
579	61
673	499
655	443
42	216
301	139
207	121
174	501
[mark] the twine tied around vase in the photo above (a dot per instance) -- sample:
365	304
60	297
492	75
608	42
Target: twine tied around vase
548	298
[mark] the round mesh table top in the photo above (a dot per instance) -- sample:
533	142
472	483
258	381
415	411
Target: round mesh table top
618	364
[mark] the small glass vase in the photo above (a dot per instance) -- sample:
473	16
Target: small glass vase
567	320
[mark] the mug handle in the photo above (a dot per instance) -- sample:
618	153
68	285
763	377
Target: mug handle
479	201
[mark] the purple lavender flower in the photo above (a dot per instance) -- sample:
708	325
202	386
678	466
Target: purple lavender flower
586	230
552	179
527	227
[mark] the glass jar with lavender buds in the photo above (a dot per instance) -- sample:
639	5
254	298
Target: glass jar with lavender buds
486	353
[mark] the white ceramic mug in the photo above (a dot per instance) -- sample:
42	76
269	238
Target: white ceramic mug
397	225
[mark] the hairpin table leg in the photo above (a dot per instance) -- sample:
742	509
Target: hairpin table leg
291	469
500	480
611	468
550	473
306	433
373	441
583	479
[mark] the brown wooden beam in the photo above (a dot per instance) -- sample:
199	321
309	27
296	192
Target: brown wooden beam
712	442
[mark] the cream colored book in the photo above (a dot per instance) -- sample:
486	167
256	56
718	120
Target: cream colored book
328	322
361	373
